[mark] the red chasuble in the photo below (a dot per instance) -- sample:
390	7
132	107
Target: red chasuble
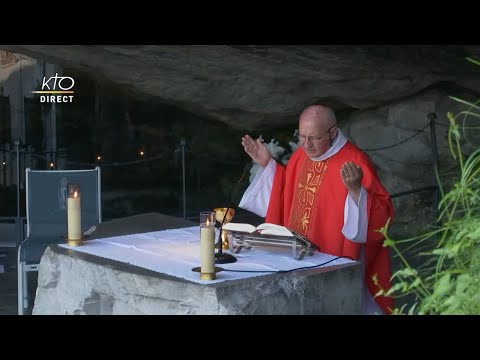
309	197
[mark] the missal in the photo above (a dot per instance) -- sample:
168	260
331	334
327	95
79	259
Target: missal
264	229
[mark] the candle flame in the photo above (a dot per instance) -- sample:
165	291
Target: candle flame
75	195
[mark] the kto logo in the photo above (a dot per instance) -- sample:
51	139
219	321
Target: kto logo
58	87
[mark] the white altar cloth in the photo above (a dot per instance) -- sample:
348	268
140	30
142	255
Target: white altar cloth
176	252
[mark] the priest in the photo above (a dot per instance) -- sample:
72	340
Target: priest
330	193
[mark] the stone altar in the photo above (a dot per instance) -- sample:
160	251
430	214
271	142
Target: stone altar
71	282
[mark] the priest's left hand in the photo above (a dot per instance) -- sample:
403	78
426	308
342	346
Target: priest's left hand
352	178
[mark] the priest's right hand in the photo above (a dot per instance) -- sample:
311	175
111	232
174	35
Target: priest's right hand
257	150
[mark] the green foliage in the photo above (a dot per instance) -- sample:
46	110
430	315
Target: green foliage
449	283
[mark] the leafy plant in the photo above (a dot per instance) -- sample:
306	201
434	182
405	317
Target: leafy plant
449	283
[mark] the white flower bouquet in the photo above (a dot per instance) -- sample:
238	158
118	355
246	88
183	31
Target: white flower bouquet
279	153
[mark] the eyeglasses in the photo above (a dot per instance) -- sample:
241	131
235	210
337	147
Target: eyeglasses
303	138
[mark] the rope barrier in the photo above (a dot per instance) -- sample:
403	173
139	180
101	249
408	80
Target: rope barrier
63	152
54	156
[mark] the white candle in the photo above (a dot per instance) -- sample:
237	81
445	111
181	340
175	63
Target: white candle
207	248
74	217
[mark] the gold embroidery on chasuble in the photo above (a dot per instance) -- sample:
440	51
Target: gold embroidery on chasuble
308	183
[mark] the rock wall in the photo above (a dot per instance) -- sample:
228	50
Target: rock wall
410	165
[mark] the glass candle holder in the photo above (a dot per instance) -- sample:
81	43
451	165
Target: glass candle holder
74	215
207	245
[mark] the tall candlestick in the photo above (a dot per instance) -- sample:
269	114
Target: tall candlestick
74	215
207	246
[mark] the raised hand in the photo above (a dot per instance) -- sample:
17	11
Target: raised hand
257	150
352	178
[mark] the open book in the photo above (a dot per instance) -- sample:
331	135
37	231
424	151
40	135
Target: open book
264	229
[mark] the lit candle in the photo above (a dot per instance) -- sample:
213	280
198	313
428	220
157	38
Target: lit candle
74	216
207	248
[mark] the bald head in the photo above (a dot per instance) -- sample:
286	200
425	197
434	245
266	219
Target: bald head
318	125
319	115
